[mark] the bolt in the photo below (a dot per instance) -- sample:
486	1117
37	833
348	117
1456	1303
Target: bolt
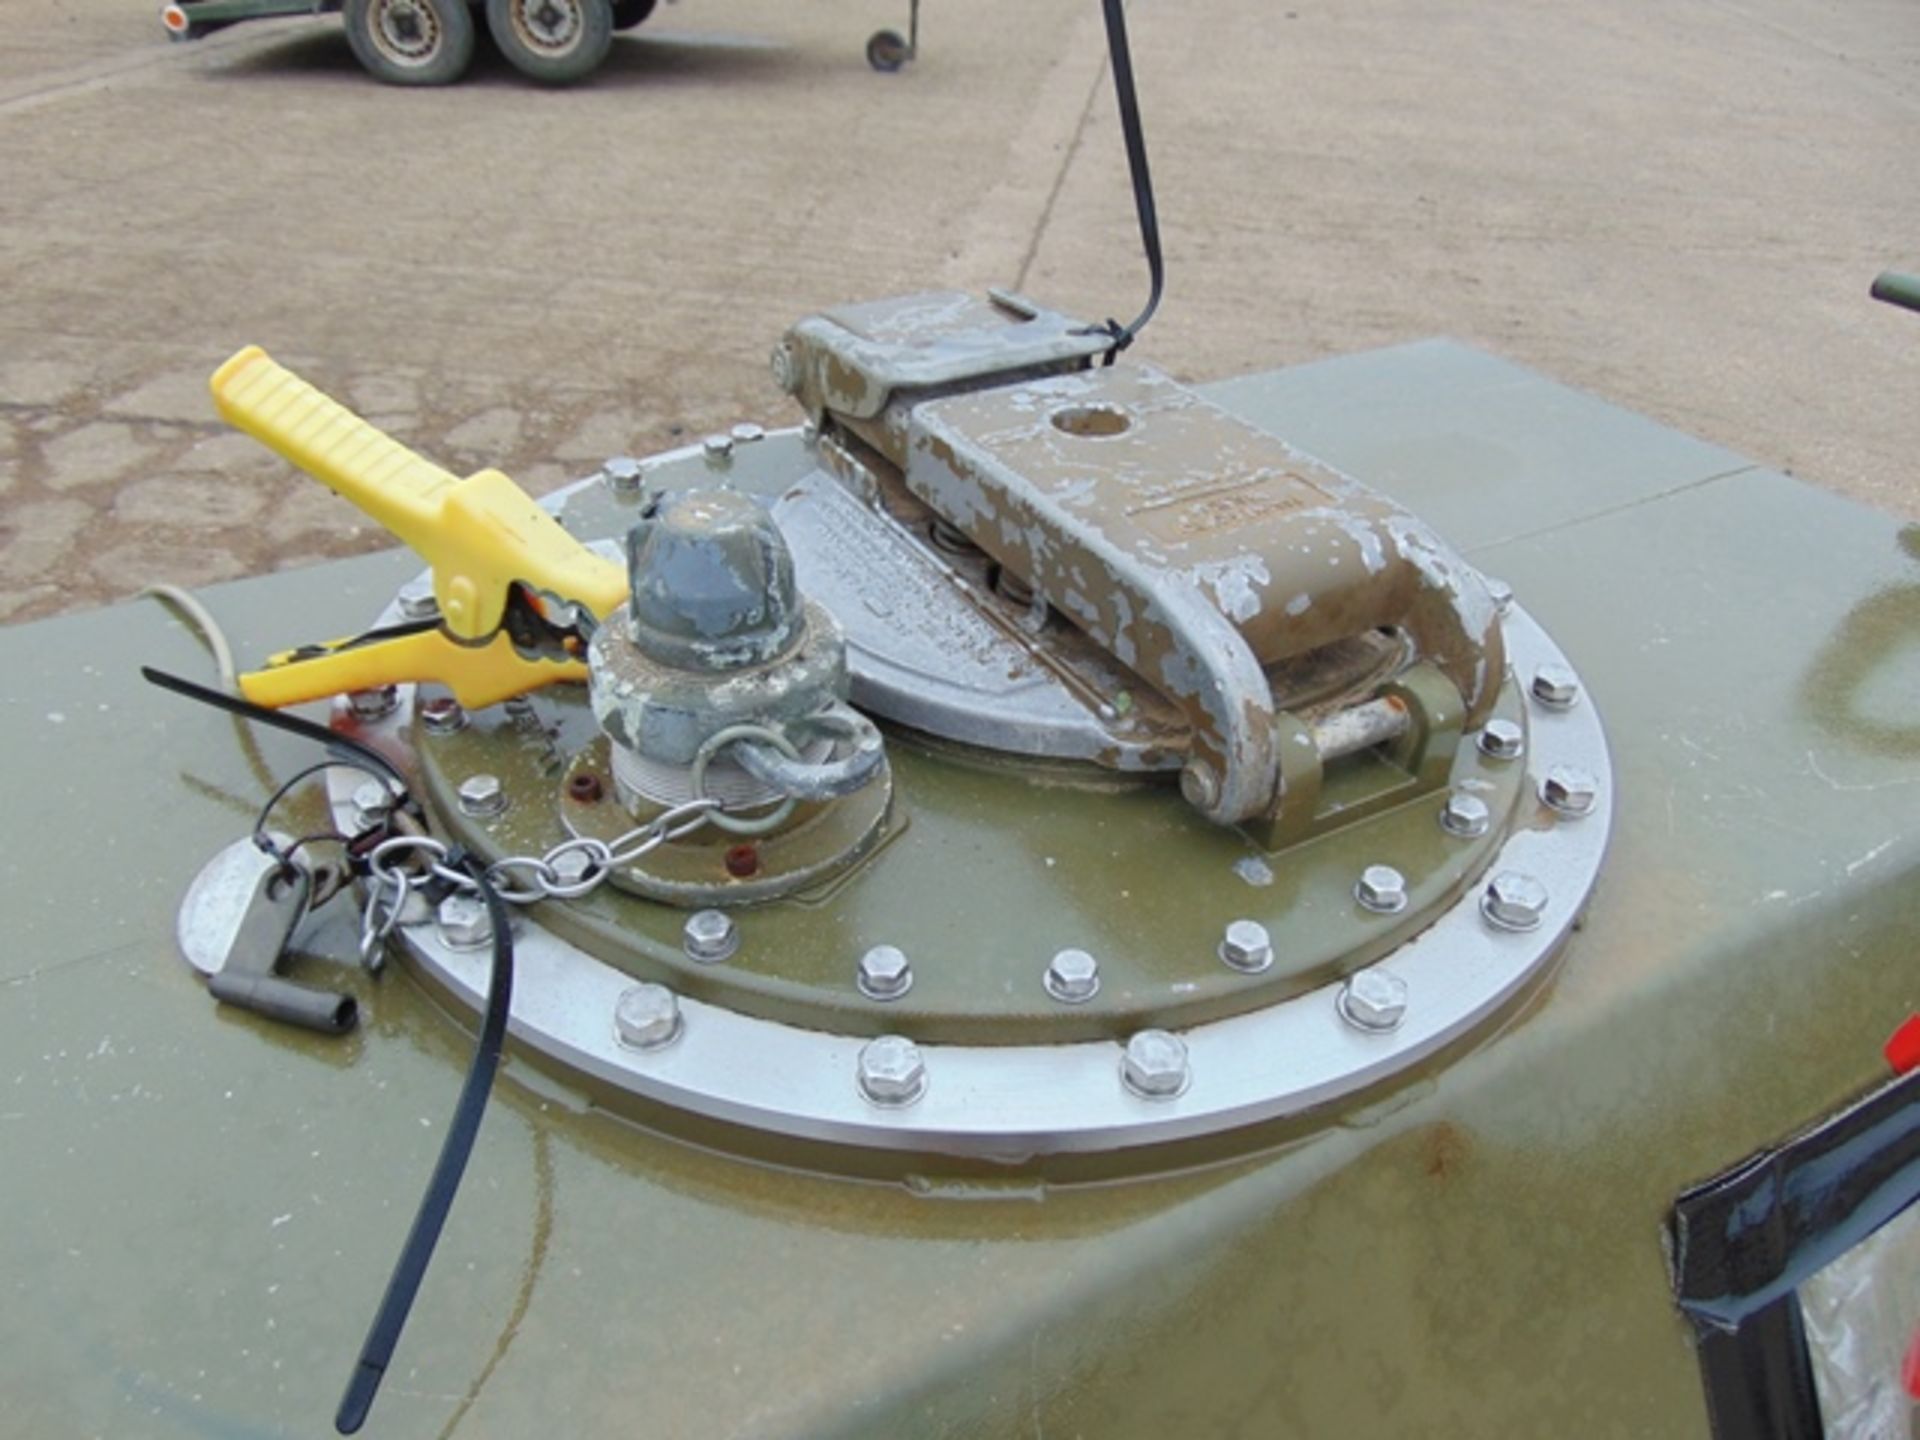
891	1071
571	867
710	936
482	796
647	1017
884	973
747	432
1372	1000
622	475
1465	815
1502	740
418	604
443	715
1513	901
719	449
1154	1066
810	434
1381	889
1570	791
1247	947
372	802
1199	786
1501	592
374	704
463	922
786	373
1556	687
1073	977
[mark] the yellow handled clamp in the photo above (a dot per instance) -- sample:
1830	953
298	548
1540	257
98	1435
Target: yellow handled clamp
512	586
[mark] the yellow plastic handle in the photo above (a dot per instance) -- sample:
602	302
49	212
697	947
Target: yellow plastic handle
478	675
481	535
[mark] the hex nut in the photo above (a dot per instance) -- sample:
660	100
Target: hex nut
1247	947
1502	739
1073	977
482	796
1570	791
1373	1000
1465	815
1381	889
718	448
443	715
1514	900
647	1017
622	475
463	922
375	704
1555	686
883	973
891	1071
1154	1065
572	867
372	803
710	936
1501	592
419	603
746	432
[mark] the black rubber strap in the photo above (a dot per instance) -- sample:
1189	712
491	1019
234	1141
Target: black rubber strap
411	1267
1123	335
340	745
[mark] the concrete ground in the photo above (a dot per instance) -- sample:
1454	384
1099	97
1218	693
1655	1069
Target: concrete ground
1678	207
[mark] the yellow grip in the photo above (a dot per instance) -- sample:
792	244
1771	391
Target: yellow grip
478	675
481	535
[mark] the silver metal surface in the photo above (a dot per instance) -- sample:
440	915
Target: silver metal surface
1465	815
1381	889
1017	1101
1247	947
883	973
1154	1065
1373	1000
1503	739
1073	977
1514	900
1555	685
463	922
647	1017
216	902
482	796
443	715
891	1071
374	704
710	936
1570	790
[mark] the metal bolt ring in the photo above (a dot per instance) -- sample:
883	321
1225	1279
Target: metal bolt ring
712	746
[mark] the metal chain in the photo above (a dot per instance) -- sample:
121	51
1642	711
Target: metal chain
540	876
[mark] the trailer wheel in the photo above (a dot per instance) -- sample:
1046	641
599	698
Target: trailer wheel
411	42
629	13
553	41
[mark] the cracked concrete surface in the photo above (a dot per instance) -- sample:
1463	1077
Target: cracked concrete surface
1678	207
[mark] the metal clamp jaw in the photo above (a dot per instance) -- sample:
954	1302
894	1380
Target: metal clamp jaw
1197	550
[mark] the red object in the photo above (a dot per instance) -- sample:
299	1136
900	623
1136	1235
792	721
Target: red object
1903	1052
1910	1370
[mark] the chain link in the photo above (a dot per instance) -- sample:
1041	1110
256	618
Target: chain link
396	866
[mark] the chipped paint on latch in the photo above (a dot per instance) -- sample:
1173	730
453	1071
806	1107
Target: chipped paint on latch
1234	584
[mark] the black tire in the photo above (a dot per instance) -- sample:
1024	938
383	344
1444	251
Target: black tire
411	42
553	41
629	13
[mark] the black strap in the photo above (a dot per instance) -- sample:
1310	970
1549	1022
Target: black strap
411	1267
340	745
1123	335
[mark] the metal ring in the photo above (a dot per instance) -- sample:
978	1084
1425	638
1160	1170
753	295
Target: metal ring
379	866
596	851
712	746
519	895
826	779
